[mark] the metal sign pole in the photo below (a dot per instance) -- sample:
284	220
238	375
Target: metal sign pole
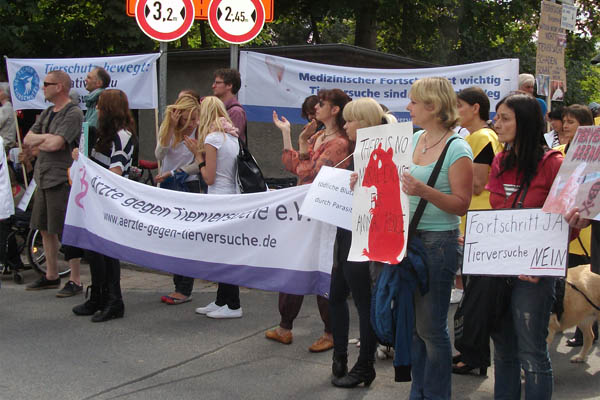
234	56
162	80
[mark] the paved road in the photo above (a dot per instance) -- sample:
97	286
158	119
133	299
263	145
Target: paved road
169	352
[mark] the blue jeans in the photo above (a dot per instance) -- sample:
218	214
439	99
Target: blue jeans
520	342
431	349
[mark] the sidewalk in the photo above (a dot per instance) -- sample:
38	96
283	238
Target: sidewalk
169	352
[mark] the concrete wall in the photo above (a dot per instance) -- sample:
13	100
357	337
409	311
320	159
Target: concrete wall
194	70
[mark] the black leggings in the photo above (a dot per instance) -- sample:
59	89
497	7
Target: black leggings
346	277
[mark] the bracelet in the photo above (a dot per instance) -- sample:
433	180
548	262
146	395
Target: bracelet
202	164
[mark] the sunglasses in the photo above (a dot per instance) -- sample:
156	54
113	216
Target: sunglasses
46	84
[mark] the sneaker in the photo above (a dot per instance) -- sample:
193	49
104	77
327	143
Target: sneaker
70	289
209	308
43	283
225	312
456	296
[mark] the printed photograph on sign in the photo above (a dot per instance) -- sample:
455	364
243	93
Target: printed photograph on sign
380	210
557	91
578	181
543	84
514	242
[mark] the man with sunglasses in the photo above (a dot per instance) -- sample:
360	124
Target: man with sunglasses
226	85
54	134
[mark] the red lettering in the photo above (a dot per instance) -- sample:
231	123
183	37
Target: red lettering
584	154
594	154
577	152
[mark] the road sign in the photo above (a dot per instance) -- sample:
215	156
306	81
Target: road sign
164	20
236	21
201	9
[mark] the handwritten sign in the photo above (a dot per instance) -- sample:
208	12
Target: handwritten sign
550	56
569	17
329	198
577	183
515	242
380	209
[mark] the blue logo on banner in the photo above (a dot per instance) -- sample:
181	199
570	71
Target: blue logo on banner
26	84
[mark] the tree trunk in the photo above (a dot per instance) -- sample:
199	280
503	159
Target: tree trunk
203	42
365	34
315	30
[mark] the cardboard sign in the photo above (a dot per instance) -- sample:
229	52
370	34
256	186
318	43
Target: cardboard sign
550	56
329	198
577	183
380	210
515	242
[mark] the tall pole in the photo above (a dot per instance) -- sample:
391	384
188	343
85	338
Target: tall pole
162	80
234	56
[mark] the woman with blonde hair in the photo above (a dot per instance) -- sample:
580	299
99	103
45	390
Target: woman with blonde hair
216	153
353	277
433	107
179	172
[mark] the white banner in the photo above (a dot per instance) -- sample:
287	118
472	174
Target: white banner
277	83
515	242
380	210
7	205
135	75
330	198
257	240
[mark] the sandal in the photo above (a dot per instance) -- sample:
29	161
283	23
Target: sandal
175	300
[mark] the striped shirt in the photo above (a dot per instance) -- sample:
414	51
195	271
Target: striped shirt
121	153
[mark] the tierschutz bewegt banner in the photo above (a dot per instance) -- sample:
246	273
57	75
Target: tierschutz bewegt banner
135	75
257	240
277	83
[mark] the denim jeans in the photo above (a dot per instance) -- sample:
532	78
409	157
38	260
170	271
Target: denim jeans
431	349
521	343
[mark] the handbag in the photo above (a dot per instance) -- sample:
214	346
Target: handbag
485	301
249	177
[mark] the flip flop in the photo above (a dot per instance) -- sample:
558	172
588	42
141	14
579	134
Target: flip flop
174	300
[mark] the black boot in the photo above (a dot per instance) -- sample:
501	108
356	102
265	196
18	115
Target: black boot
339	367
114	307
362	372
93	304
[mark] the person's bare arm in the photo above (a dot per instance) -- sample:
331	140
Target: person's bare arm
480	177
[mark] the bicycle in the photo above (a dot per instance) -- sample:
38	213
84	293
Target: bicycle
143	172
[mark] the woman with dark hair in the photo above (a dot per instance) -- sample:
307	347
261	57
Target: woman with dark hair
555	137
522	175
308	107
474	111
433	107
574	116
113	148
331	147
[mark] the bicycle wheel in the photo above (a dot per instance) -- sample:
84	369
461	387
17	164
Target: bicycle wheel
37	256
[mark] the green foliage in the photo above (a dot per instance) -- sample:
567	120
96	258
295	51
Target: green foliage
445	32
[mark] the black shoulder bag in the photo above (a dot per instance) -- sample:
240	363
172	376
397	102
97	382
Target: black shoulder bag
249	176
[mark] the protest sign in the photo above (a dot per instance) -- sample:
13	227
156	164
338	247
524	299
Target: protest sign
577	183
550	55
329	198
380	211
256	240
282	84
135	75
7	205
515	242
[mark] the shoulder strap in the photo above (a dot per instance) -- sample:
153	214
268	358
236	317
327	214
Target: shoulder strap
520	197
431	182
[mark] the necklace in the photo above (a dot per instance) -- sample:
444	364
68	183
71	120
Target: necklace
425	148
326	135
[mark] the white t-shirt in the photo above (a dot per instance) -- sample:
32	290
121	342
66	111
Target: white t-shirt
227	151
176	157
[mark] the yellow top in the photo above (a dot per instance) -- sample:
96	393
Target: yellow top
478	140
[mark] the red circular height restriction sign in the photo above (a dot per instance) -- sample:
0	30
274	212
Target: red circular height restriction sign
164	20
236	21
